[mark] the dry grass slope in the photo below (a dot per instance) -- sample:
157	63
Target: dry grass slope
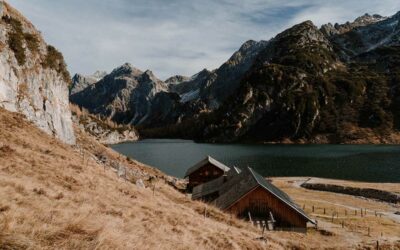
50	199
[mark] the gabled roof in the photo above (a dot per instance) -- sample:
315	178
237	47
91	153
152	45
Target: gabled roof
213	186
279	194
207	160
245	182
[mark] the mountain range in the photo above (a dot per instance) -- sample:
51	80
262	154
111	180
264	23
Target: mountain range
334	84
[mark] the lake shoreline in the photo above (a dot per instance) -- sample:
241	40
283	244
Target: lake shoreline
366	163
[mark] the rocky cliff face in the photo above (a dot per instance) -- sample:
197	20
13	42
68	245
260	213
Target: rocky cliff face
81	82
124	96
33	76
210	88
226	79
310	86
365	34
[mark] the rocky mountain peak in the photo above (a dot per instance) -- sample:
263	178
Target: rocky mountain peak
148	76
173	80
202	73
125	95
247	50
365	20
365	34
99	74
126	69
149	73
81	82
302	34
247	45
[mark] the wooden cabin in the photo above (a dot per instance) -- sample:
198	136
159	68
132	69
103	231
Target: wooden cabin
248	195
209	191
205	171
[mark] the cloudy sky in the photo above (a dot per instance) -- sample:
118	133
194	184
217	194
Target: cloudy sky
175	36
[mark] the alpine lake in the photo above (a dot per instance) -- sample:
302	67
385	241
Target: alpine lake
368	163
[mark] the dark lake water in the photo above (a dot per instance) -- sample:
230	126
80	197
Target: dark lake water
373	163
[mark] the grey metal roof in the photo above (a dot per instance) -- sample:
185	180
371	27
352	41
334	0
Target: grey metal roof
235	188
247	181
208	159
279	194
213	186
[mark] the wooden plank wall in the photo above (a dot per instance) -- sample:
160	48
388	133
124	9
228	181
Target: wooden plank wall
204	174
260	202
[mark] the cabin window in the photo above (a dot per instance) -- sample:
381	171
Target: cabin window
206	173
215	172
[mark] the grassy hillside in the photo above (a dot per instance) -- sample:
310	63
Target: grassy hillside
52	197
57	196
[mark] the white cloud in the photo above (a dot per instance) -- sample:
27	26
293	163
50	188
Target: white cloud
175	36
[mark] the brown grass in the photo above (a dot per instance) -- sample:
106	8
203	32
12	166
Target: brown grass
384	227
52	197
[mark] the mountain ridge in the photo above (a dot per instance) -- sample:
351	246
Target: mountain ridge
327	74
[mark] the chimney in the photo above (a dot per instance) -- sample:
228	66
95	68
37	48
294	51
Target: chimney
225	176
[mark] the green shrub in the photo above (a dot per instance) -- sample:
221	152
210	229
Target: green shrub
15	43
32	42
55	60
15	39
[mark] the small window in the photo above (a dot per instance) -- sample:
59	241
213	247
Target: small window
215	172
206	173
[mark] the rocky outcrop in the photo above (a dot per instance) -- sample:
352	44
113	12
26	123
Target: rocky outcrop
365	34
105	131
33	76
226	79
211	88
124	96
365	20
81	82
174	80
